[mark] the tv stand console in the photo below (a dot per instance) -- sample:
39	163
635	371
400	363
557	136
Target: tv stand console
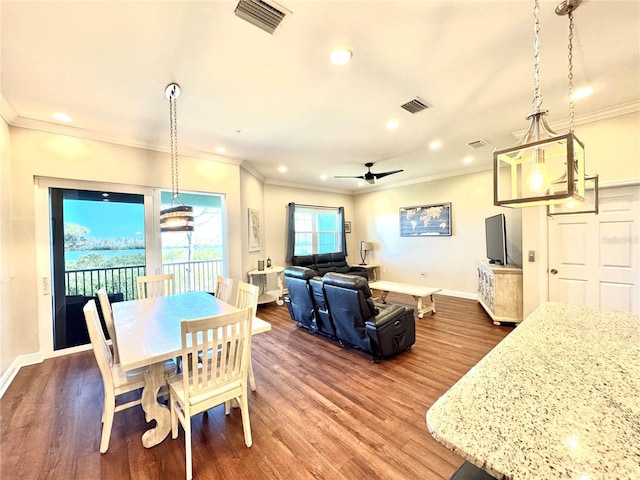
500	292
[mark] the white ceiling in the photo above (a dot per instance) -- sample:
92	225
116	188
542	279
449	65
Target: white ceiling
276	100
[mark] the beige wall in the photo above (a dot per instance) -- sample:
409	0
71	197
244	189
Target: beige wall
38	154
252	196
447	262
276	199
8	350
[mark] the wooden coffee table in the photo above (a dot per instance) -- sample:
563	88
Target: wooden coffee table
418	292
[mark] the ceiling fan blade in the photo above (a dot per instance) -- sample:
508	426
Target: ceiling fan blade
349	176
384	174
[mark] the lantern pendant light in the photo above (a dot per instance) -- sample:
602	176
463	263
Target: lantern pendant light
176	218
543	167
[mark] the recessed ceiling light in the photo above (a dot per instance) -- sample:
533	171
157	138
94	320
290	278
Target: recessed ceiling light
392	124
323	177
282	169
436	144
61	117
340	56
581	93
467	159
220	149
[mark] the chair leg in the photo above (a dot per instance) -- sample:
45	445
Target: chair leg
174	417
227	407
252	380
107	424
187	447
246	425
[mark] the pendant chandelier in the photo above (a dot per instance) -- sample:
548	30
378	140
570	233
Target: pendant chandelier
543	167
176	218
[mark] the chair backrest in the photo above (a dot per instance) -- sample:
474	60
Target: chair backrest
299	298
149	286
350	307
107	314
221	343
247	296
99	344
324	322
224	286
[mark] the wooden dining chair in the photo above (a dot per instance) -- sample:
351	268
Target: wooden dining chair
218	379
113	378
107	313
224	286
149	286
247	296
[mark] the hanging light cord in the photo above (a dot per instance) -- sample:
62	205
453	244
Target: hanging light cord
537	96
174	148
570	75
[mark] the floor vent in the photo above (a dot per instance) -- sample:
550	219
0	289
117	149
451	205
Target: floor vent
478	144
264	15
416	105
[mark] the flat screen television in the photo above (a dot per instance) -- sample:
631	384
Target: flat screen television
496	239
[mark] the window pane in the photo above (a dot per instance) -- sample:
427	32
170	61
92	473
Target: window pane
195	258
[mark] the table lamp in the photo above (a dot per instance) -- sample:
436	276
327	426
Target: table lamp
364	248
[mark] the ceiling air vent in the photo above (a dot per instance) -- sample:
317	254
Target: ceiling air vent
478	144
264	15
416	105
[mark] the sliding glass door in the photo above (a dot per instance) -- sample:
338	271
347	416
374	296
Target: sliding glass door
98	241
104	236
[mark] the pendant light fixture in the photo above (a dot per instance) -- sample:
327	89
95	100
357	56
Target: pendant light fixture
590	203
178	218
543	167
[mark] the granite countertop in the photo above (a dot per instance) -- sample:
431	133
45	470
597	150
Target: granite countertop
558	398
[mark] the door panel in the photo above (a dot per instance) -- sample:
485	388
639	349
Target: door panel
593	259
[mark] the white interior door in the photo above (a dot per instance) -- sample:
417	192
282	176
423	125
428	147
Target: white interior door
594	259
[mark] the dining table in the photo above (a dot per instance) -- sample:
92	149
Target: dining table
558	398
148	333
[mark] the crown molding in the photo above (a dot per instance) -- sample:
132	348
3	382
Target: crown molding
71	131
6	111
596	116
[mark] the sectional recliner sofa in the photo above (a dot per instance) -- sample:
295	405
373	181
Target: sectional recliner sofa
340	306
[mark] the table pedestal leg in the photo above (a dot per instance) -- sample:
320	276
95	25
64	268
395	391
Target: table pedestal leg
154	380
383	297
279	299
431	307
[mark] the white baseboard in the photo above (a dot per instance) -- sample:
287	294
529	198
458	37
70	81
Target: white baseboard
14	368
455	293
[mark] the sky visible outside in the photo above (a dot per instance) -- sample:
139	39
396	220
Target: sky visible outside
106	219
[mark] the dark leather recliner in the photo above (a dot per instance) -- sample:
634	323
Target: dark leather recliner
299	300
382	330
340	306
323	263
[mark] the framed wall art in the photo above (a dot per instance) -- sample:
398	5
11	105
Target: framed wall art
254	230
432	220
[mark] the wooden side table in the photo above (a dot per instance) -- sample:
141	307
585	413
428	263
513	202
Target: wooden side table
272	295
373	271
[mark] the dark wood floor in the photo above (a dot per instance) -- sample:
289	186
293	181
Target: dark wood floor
321	411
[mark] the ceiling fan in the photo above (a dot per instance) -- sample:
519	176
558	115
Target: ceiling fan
370	176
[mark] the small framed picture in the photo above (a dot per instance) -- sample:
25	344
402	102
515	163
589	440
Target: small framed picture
254	230
347	227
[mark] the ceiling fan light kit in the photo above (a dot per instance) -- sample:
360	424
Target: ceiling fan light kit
543	167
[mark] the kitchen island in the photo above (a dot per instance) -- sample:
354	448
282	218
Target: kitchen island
558	398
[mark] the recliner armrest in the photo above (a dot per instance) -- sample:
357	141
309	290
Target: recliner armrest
387	314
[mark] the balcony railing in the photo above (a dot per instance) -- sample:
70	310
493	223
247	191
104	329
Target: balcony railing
189	277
